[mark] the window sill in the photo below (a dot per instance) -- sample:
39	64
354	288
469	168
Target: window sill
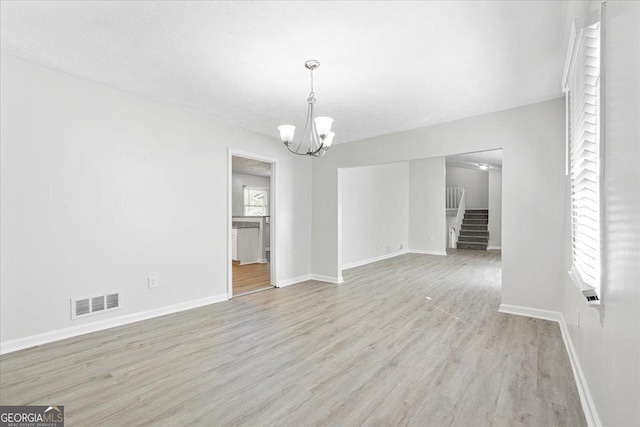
597	306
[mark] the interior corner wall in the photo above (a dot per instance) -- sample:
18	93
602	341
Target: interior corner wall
101	188
475	184
609	353
375	212
532	139
427	211
238	181
495	209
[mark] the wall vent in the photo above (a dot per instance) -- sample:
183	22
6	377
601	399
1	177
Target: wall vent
97	304
113	301
87	306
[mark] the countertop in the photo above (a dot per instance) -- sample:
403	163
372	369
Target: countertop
245	224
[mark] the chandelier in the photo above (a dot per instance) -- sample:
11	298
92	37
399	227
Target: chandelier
317	130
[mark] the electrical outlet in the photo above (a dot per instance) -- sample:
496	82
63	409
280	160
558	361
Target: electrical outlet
152	282
578	317
288	258
389	247
401	246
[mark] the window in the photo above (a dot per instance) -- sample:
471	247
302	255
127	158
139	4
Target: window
584	94
256	201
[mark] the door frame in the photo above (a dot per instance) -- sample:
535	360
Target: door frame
272	217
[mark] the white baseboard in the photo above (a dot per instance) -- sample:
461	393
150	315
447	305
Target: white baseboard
74	331
588	406
328	279
294	280
306	277
494	247
374	259
418	251
257	261
530	312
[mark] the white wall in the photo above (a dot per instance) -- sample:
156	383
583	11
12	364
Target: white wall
238	181
427	212
532	139
475	183
101	189
495	209
610	353
375	211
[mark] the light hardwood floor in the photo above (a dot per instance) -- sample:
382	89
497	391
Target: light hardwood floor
413	340
250	277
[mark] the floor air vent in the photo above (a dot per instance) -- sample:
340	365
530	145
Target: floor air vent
81	307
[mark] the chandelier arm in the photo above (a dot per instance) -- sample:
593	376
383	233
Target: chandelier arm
315	153
318	145
298	147
295	152
304	134
313	135
308	131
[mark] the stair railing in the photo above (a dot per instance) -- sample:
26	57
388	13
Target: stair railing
459	217
453	196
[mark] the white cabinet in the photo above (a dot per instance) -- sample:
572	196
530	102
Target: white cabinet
266	240
248	247
247	239
234	244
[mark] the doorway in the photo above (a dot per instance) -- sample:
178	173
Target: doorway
474	200
251	223
423	206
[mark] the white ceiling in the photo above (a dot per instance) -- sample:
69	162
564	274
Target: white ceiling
250	166
493	158
386	66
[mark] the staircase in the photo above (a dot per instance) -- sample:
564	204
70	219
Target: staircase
473	231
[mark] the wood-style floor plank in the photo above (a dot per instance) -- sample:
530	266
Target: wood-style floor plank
250	277
414	340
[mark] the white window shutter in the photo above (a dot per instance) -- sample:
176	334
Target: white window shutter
582	82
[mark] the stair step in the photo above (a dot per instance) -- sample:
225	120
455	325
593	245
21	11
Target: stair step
474	221
472	245
476	216
466	232
476	227
474	239
477	211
